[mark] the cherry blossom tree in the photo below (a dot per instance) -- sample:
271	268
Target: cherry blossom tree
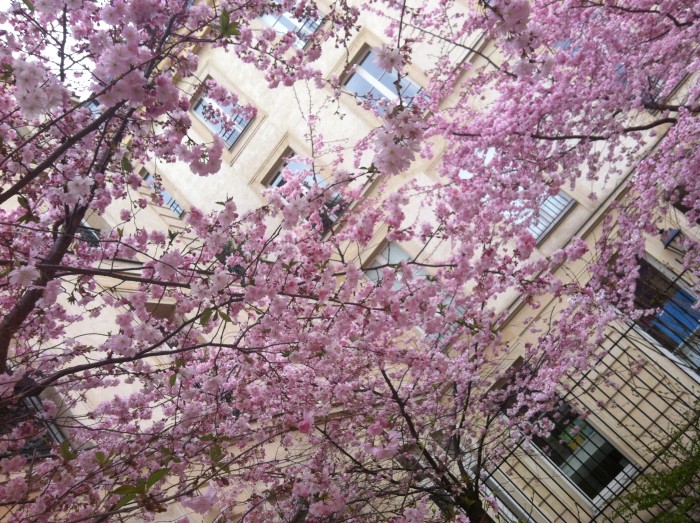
290	382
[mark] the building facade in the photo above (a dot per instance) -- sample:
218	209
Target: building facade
640	394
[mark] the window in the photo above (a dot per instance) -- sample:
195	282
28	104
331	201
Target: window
584	455
89	235
391	254
371	82
294	167
168	200
551	211
680	199
333	205
676	324
40	433
228	122
94	107
236	269
285	23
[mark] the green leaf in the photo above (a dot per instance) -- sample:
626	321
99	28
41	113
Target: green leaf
126	499
156	477
224	316
29	217
207	437
228	28
224	21
100	457
215	453
29	5
141	486
289	266
206	315
66	452
23	202
179	363
126	164
172	379
125	489
120	232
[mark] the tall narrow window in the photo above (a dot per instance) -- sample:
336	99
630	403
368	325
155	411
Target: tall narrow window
285	23
552	210
371	82
676	324
228	122
583	454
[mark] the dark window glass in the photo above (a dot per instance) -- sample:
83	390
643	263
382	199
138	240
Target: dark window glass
675	325
582	454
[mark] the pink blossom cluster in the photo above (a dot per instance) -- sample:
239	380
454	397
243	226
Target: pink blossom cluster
278	363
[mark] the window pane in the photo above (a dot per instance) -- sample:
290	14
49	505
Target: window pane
409	89
372	82
359	86
292	167
284	23
582	453
387	80
391	254
231	128
168	199
551	211
369	64
675	326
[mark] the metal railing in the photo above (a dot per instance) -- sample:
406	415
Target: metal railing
639	403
